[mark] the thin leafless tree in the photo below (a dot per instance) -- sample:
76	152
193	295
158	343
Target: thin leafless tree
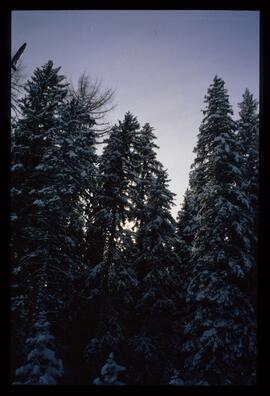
98	101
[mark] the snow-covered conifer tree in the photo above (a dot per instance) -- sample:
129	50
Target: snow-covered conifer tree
109	373
112	280
156	262
70	166
31	141
220	337
248	134
42	366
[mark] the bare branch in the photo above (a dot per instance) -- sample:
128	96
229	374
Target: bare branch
98	102
17	85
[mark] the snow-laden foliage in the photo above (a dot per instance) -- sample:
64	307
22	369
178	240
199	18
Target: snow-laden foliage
220	335
53	174
248	135
109	373
113	277
146	163
156	258
156	264
100	266
185	233
219	328
32	138
175	379
42	366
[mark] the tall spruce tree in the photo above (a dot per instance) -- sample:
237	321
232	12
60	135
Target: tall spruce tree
156	263
112	280
220	341
31	141
70	165
248	134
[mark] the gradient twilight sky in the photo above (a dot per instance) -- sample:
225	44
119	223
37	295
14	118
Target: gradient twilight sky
159	62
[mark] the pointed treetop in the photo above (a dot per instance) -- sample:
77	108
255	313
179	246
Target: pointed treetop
129	120
249	104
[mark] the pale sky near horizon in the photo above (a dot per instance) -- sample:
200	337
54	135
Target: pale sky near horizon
160	64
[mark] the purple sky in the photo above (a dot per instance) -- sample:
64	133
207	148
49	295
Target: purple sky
159	62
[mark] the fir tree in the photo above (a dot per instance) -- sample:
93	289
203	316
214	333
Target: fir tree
42	367
70	166
248	134
109	373
31	141
220	329
156	262
113	278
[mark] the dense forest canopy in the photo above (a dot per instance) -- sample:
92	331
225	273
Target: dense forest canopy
107	288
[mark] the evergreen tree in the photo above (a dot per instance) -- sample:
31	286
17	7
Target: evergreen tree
110	372
58	188
113	278
31	141
70	166
156	262
42	367
248	134
220	329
